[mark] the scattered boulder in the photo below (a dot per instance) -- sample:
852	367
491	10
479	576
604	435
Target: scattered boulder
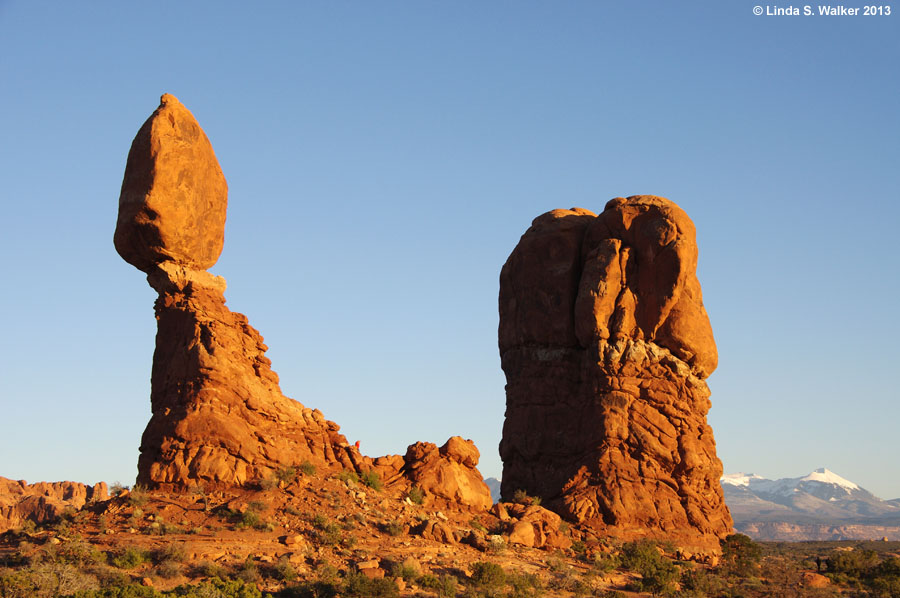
606	346
448	473
436	530
536	527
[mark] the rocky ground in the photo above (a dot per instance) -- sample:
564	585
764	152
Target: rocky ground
312	532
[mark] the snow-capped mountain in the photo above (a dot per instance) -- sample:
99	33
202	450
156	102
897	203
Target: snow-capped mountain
819	500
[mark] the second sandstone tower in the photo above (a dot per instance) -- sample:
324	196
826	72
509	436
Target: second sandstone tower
606	346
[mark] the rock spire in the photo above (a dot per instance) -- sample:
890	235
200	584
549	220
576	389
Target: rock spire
606	346
218	414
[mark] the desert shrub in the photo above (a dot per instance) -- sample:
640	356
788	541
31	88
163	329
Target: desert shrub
48	580
307	469
579	548
372	480
138	496
409	570
488	578
130	558
172	552
524	585
699	582
392	528
522	497
125	591
109	577
286	474
283	570
248	572
160	527
358	584
76	552
854	564
249	518
740	554
604	563
416	495
445	585
326	531
311	589
477	525
612	594
348	476
217	588
658	574
168	569
208	569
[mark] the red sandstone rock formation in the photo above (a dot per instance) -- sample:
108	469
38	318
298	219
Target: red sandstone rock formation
606	345
43	501
219	417
447	474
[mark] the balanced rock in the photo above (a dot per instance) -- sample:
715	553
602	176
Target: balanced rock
218	415
606	346
174	196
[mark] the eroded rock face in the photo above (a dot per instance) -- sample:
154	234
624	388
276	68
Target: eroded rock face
218	415
606	345
43	501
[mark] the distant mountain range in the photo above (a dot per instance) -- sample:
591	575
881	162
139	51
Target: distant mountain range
818	506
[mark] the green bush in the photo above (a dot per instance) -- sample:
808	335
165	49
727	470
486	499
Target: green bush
524	585
307	469
138	496
130	558
358	585
488	578
658	574
740	554
348	476
393	529
372	480
326	531
283	570
416	495
286	474
409	570
168	569
522	497
445	585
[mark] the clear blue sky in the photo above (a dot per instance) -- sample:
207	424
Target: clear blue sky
384	158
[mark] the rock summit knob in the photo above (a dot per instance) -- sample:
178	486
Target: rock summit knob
174	195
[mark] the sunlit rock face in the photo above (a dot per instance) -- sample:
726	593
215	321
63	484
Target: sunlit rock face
218	415
606	346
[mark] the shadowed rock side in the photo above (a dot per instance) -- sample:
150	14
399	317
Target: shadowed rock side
605	344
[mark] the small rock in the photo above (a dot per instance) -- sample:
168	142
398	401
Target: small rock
147	582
